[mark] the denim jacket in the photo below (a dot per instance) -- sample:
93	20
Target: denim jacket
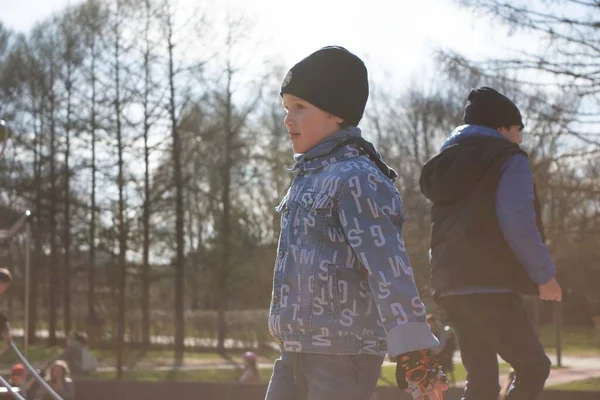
342	282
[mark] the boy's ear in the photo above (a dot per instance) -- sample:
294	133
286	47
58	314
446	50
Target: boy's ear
337	119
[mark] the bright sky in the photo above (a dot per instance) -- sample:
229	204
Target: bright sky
394	37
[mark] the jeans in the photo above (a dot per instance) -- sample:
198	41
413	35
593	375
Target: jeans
491	324
304	376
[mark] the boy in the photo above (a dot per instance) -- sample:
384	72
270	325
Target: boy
4	135
487	246
77	355
5	281
5	276
343	290
17	374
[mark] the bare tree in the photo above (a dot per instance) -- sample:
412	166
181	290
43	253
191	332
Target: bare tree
93	21
148	111
178	183
71	60
38	129
566	62
44	42
119	11
180	67
22	79
272	153
234	119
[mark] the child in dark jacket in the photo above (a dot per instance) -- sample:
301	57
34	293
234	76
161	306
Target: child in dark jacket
487	246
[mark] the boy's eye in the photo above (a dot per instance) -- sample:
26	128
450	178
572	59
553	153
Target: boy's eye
294	106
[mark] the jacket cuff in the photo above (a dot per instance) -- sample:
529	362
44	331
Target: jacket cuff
543	276
409	337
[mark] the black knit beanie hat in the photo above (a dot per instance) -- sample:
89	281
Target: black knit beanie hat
332	79
488	107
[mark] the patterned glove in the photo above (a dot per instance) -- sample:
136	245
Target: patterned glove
418	372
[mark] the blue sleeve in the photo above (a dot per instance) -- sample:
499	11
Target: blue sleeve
370	212
516	216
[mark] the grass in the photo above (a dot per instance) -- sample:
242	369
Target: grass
388	377
574	340
38	354
388	373
205	375
142	358
591	385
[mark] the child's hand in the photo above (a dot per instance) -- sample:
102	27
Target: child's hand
421	375
551	290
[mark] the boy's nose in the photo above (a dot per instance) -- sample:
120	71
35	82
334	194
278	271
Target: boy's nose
287	120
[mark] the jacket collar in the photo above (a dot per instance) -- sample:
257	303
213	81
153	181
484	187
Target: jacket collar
327	152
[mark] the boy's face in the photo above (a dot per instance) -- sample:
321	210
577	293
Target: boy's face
512	133
3	287
306	124
17	378
57	372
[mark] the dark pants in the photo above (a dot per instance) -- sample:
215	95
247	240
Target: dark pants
494	324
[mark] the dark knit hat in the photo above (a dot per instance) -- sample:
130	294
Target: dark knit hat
488	107
332	79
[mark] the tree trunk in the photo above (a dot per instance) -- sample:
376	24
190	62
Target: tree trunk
67	233
146	215
122	267
178	181
91	297
53	264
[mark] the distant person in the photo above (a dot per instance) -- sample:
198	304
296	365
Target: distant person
5	275
17	375
78	355
95	326
444	353
250	374
5	281
17	379
59	379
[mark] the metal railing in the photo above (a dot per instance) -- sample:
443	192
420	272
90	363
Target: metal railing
9	344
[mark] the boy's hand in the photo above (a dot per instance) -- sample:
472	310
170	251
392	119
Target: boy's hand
551	290
418	373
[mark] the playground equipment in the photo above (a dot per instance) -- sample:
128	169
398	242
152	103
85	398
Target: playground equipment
22	226
15	393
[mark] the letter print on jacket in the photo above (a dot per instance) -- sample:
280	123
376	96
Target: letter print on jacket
343	282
